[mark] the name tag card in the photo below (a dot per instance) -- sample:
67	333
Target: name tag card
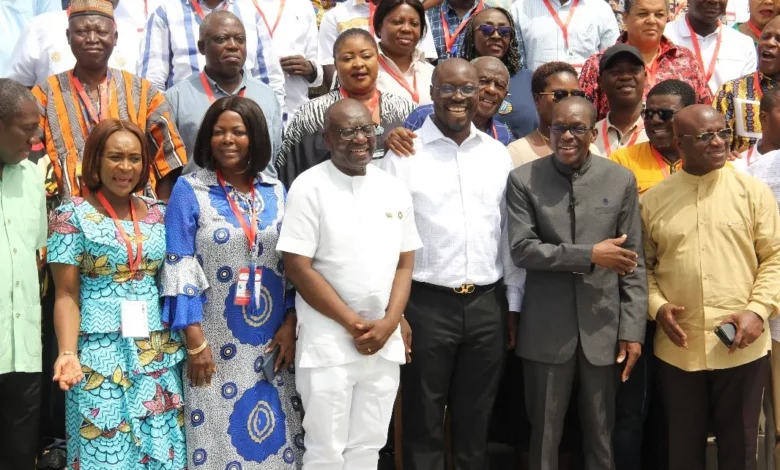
242	290
135	320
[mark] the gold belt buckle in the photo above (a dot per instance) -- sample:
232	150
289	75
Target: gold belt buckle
465	289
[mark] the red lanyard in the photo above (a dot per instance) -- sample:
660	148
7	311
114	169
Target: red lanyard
271	29
449	40
758	93
750	154
199	11
711	69
663	165
678	9
371	13
249	231
372	105
651	73
146	9
495	132
401	80
134	265
209	92
104	92
605	136
564	26
754	29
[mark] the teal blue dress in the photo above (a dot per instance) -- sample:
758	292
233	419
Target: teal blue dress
127	413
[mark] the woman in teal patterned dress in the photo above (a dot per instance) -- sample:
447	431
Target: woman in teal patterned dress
118	362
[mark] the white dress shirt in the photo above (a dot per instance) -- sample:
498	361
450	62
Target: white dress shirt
354	14
767	169
752	156
136	12
736	58
615	138
460	208
295	34
419	72
592	29
169	50
354	228
43	49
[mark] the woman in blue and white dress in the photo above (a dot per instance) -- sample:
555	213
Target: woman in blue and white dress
223	222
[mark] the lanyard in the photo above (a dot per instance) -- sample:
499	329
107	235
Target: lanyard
104	92
678	9
564	26
495	132
146	9
133	264
711	69
372	105
758	93
754	29
249	231
750	154
371	13
209	92
605	136
652	70
663	165
449	40
401	80
199	11
271	29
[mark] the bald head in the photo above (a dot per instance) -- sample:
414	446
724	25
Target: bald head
223	42
217	19
702	139
490	63
692	120
459	69
343	109
350	134
581	105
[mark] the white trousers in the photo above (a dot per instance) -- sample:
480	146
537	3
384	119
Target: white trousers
348	410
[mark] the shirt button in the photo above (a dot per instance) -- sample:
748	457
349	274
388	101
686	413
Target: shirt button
18	315
576	175
14	250
17	283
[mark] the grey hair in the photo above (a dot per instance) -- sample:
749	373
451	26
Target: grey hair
12	93
214	16
629	4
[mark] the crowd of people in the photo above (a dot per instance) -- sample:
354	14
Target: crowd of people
275	234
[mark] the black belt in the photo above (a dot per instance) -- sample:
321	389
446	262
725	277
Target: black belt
463	289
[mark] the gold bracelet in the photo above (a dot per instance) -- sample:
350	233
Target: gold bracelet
199	349
67	353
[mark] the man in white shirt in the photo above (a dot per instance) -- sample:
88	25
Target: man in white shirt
457	308
169	51
564	30
292	25
348	242
43	49
622	76
723	52
15	15
136	12
769	143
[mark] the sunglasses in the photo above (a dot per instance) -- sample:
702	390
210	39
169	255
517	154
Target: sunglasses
351	133
488	30
558	95
560	129
724	134
664	114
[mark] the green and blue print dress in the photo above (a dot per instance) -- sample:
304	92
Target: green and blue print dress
127	413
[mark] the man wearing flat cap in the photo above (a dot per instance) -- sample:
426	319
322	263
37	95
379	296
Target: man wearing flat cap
622	76
73	102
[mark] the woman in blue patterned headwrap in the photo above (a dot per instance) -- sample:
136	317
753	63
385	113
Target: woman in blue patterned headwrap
118	361
224	285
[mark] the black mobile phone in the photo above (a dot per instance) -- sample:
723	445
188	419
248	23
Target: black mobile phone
726	332
270	362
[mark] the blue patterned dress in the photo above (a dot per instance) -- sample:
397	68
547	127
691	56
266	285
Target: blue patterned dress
240	421
127	413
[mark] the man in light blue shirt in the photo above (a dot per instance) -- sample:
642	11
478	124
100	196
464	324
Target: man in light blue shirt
22	233
223	75
14	16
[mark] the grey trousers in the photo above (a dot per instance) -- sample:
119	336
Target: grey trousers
548	389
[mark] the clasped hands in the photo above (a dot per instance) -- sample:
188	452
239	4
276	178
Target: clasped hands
370	337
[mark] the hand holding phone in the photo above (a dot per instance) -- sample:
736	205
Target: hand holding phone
726	333
270	363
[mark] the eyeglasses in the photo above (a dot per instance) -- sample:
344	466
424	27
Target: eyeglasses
724	134
560	129
486	82
447	91
351	133
558	95
664	114
488	30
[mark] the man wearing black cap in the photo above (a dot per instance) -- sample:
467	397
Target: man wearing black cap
622	76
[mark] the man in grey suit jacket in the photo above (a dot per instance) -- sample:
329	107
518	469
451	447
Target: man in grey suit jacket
575	226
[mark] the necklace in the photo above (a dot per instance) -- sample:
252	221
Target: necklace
546	140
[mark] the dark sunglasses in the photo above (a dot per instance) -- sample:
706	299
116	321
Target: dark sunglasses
724	134
560	129
488	30
558	95
664	114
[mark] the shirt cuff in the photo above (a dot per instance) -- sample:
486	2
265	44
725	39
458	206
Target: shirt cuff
514	295
296	247
762	310
655	302
320	74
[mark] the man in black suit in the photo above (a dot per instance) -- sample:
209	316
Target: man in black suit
575	226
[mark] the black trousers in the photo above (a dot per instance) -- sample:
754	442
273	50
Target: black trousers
730	399
458	350
20	404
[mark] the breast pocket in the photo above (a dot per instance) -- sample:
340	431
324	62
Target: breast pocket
606	210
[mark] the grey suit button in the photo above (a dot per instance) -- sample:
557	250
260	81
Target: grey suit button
576	175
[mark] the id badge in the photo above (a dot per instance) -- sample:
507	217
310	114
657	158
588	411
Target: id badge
242	293
135	320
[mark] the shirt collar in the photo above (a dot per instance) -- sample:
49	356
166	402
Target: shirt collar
429	132
568	170
666	46
344	180
217	88
417	56
449	9
610	126
711	177
685	31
